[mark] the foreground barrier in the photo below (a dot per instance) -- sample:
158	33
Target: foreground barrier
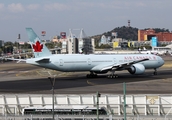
146	105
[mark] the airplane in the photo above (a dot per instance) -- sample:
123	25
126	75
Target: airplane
94	63
145	51
160	51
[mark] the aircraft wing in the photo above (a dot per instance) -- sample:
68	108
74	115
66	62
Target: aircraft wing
104	67
43	60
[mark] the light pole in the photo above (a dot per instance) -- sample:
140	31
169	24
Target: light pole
98	95
84	110
18	44
124	90
52	83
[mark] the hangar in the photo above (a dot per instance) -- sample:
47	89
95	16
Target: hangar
146	35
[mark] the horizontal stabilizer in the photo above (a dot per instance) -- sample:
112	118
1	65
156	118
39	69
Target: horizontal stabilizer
18	60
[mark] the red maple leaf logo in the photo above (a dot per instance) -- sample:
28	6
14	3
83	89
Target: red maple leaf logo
37	46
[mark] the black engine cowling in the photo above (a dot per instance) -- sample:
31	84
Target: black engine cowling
137	69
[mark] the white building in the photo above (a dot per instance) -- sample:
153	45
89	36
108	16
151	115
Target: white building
78	44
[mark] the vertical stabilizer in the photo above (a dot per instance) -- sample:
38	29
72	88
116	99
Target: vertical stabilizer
39	49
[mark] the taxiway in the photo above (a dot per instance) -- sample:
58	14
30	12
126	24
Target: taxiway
27	79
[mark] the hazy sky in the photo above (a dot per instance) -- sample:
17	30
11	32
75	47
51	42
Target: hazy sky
94	16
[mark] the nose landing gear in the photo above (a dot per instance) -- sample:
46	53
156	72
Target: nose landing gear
155	71
91	75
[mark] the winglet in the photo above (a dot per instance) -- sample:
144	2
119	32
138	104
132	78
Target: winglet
39	48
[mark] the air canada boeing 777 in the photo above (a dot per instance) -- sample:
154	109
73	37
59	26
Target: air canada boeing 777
95	64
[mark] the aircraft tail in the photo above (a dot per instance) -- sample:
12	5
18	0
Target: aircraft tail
39	49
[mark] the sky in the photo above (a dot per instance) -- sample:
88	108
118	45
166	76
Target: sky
93	16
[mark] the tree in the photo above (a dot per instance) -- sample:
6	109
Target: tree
50	45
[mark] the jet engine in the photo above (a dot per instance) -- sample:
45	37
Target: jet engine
136	69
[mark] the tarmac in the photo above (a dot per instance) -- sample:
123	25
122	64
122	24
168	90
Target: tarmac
27	79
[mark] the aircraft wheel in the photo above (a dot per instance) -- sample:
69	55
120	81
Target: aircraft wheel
112	76
95	75
155	73
91	75
109	76
88	76
116	76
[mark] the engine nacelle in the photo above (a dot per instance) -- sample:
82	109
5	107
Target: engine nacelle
137	69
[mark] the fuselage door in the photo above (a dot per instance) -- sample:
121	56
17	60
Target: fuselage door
89	61
114	60
61	62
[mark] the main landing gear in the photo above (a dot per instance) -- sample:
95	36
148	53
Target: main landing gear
155	71
112	75
91	75
94	75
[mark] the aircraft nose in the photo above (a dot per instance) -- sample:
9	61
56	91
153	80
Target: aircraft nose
160	61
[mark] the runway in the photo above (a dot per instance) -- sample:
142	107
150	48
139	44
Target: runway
27	79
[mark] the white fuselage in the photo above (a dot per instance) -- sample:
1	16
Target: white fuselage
80	62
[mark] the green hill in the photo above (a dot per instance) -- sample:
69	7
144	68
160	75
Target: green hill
127	33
